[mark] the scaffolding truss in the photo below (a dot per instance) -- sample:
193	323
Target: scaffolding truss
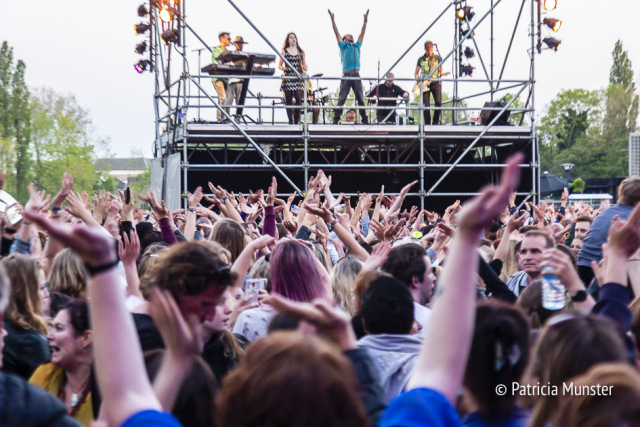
297	151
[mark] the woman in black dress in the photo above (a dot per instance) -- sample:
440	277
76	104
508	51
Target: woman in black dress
293	88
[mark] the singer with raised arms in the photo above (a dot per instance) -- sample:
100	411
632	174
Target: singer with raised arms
293	88
350	55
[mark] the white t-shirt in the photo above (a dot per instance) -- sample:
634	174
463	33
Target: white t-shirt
254	323
422	315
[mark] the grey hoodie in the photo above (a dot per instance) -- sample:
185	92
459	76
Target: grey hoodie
394	356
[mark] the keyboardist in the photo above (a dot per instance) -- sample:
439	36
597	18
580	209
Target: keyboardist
387	93
221	85
235	85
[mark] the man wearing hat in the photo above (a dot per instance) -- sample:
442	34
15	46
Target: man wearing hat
235	85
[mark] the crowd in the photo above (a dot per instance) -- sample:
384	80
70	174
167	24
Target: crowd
256	311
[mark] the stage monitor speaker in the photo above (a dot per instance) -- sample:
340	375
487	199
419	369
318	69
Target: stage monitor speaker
487	116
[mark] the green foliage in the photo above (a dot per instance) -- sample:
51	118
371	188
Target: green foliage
138	183
577	186
621	71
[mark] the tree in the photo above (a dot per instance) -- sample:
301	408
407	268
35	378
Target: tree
577	186
139	183
621	71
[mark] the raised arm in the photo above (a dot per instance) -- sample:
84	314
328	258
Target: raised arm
335	27
364	27
451	326
344	235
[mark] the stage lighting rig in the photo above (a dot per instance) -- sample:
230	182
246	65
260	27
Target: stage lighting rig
550	4
141	28
554	24
156	3
467	70
465	13
142	65
140	48
171	36
552	43
166	15
469	52
465	33
142	11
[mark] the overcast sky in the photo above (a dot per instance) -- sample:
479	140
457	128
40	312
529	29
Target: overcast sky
85	47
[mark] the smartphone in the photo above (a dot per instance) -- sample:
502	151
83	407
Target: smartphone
12	215
127	195
252	287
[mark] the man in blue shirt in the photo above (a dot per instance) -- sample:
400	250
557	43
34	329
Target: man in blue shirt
350	54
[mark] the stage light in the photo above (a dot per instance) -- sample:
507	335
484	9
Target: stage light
552	43
140	48
171	36
465	12
554	24
467	70
469	52
166	15
465	33
142	11
550	4
141	28
142	65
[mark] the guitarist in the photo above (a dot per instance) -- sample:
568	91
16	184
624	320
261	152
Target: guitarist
427	63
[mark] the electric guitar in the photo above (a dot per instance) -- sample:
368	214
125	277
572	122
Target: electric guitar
425	86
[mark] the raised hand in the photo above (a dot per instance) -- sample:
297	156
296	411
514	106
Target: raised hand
378	257
624	236
76	206
332	15
323	213
129	249
515	223
159	209
406	188
114	208
65	189
194	199
272	192
366	16
37	199
291	226
218	192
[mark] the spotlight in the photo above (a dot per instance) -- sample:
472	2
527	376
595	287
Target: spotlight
465	12
142	11
552	43
550	4
142	65
141	28
554	24
166	15
465	33
467	70
469	52
140	48
171	36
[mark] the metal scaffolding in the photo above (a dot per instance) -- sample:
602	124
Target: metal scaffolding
232	147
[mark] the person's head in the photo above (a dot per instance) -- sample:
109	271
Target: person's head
231	236
5	291
389	83
67	275
25	308
151	238
530	302
532	249
148	262
225	39
195	276
619	406
348	38
499	354
321	256
296	273
410	264
576	244
629	191
291	41
387	307
239	43
71	338
261	269
362	283
220	321
351	116
288	379
428	48
583	223
343	278
203	225
58	302
568	346
194	403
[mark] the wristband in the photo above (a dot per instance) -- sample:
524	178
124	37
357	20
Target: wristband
92	271
333	223
10	230
225	198
192	210
55	209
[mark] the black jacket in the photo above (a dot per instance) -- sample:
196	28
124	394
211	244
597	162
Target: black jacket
370	390
25	405
24	350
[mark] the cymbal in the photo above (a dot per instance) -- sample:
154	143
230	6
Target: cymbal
316	75
322	88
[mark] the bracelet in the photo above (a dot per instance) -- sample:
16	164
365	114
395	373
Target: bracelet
92	271
192	210
55	209
225	198
333	223
635	259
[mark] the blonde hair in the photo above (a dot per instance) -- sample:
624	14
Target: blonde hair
343	279
24	308
363	280
67	275
231	236
148	262
510	266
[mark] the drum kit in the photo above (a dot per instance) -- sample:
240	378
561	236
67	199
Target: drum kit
317	99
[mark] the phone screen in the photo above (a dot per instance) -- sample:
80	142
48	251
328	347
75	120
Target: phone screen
253	286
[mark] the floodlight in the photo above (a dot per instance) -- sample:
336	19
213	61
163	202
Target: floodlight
142	65
166	15
552	43
140	48
171	36
469	52
554	24
141	28
550	4
142	11
467	70
465	12
465	33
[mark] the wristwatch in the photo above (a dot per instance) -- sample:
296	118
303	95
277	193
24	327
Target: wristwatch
580	296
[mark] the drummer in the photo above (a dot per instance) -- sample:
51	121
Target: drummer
384	93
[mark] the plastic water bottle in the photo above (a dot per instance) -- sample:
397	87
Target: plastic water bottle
553	292
403	119
397	119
